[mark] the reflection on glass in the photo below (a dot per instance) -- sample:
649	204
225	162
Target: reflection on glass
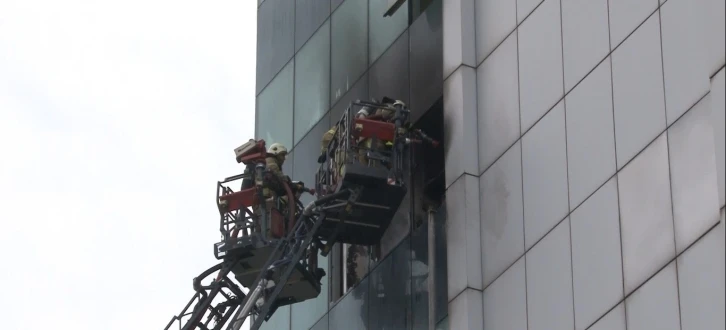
321	325
312	77
275	39
350	46
384	30
419	277
356	264
306	313
306	154
426	56
274	109
401	223
279	321
389	76
351	312
359	91
419	6
390	290
443	324
442	290
309	14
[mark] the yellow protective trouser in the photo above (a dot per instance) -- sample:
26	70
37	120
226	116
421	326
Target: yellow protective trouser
365	146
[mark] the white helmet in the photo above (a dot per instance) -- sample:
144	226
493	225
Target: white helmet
363	112
276	149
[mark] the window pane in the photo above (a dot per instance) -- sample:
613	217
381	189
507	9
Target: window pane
308	312
389	75
274	109
419	277
390	290
275	38
443	324
419	6
350	46
334	4
312	77
309	14
322	324
280	320
384	30
356	264
351	312
441	281
359	91
306	156
426	57
401	222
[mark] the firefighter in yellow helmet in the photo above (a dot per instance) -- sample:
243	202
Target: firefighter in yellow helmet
383	114
276	155
338	156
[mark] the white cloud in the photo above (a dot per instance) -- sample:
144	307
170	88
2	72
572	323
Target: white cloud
116	120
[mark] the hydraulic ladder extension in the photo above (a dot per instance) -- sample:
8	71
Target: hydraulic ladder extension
292	248
262	300
205	296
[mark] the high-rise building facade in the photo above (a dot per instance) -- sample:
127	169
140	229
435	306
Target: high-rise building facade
583	158
314	57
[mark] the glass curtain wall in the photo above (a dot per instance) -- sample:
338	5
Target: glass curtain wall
314	58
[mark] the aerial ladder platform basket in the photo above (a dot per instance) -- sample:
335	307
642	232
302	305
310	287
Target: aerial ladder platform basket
270	245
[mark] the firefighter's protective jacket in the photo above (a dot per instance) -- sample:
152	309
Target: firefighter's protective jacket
275	185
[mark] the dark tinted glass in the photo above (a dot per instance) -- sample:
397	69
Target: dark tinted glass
443	324
419	277
419	6
351	312
426	57
356	264
309	14
390	293
312	77
274	109
384	30
358	91
308	312
419	271
400	224
441	260
322	324
275	38
306	156
350	46
280	320
389	75
334	4
336	274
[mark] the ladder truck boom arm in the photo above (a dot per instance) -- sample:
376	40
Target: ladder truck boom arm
272	249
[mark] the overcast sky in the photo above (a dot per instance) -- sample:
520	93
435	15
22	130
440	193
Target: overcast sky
116	120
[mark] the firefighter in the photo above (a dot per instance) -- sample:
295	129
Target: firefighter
383	114
273	188
338	161
328	136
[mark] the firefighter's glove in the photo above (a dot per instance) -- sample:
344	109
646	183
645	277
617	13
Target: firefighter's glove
321	158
